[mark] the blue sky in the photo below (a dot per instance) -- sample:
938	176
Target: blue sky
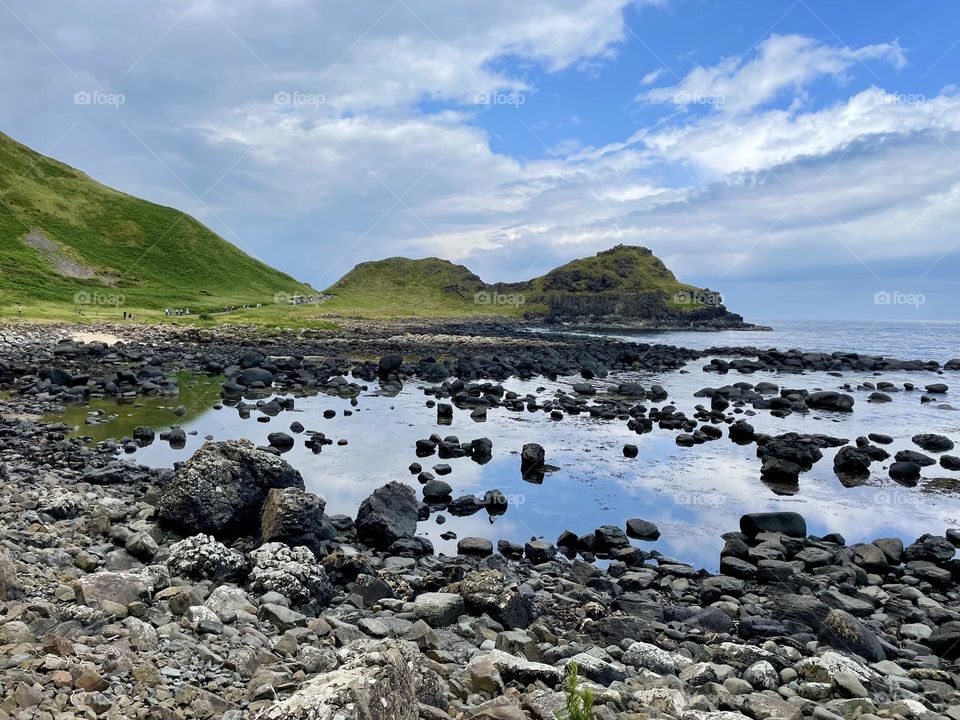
802	157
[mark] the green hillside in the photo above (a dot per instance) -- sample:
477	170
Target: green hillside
401	287
68	241
625	282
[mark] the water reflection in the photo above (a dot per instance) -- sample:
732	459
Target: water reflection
693	494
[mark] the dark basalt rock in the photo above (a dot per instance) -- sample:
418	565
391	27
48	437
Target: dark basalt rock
917	458
642	529
829	400
222	488
388	515
905	472
931	442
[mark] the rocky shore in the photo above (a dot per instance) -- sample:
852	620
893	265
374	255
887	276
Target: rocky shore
221	588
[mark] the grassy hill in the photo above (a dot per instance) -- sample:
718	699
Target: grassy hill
401	287
67	241
625	282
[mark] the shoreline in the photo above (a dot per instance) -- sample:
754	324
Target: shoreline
291	611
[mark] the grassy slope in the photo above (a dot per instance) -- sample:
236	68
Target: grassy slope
401	287
623	269
159	256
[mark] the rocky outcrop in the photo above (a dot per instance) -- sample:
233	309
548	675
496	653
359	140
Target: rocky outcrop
221	489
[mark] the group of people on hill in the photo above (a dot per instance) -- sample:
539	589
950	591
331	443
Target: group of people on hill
171	312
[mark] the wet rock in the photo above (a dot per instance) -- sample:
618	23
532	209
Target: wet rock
642	529
905	472
532	459
474	546
829	400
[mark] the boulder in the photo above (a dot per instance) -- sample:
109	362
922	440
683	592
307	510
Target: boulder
516	669
438	609
202	557
829	400
295	573
487	591
295	517
221	489
388	515
475	546
121	588
532	460
642	529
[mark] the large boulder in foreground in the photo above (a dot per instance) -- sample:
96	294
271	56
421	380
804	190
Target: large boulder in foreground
388	515
221	490
377	680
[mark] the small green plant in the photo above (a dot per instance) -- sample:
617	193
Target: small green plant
579	700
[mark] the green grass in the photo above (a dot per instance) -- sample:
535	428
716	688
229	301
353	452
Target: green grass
621	270
579	700
401	287
156	256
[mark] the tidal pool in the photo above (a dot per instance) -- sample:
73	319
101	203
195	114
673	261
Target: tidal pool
693	494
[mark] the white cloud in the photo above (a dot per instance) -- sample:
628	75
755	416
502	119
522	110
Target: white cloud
782	62
763	185
721	144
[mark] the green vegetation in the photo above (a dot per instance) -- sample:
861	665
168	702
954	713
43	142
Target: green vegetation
622	270
67	243
401	287
579	700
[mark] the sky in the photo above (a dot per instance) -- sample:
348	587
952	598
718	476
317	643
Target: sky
801	157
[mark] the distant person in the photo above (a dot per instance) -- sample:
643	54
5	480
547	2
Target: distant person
20	311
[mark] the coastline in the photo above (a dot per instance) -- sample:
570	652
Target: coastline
262	605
